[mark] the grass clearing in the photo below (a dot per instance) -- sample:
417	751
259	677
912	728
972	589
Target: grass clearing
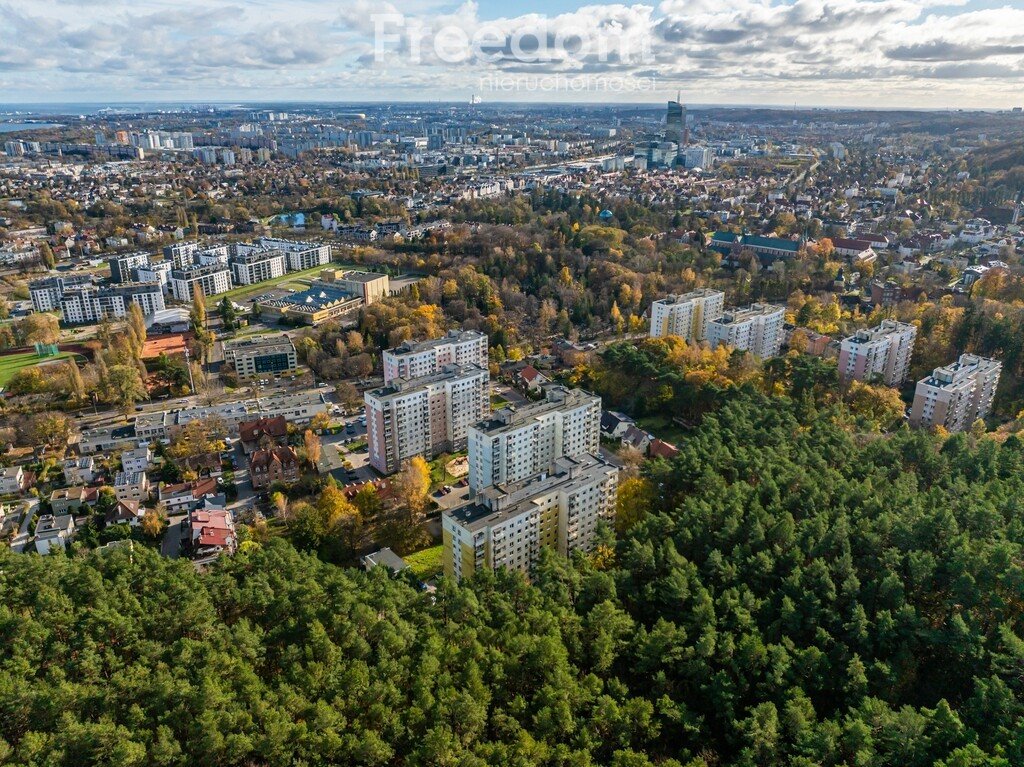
662	427
426	564
12	363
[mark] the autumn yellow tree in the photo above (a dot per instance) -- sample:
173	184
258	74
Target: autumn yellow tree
636	497
880	407
154	522
412	485
313	447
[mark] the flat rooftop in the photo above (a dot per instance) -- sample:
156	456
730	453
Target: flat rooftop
407	385
687	297
452	336
499	503
558	398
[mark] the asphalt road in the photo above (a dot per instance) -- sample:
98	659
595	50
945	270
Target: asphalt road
170	545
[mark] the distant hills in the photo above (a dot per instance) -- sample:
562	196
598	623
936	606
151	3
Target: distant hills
999	164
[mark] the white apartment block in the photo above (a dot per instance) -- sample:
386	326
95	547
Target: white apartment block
957	395
158	273
46	293
425	416
881	353
257	266
757	330
122	268
412	359
301	255
506	525
91	304
688	315
261	355
212	255
136	461
181	254
516	443
213	279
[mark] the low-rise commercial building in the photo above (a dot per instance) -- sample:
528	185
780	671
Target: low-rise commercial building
369	286
261	355
294	408
323	301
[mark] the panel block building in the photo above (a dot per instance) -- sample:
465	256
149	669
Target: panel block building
957	395
757	329
261	355
413	359
688	315
425	416
518	442
881	353
506	525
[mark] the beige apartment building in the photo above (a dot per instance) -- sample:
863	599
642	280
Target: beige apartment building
425	416
881	353
688	315
518	442
957	395
506	525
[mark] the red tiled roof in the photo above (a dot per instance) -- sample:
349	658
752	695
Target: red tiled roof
251	431
661	449
529	373
262	459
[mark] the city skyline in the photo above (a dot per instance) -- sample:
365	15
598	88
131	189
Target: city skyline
848	53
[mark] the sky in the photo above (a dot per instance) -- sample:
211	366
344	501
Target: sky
831	53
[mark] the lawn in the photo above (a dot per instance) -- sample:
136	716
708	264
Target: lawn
427	563
241	292
498	402
12	363
662	427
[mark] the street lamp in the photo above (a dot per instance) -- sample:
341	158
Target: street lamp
188	367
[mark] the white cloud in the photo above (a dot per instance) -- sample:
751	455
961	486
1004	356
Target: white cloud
816	51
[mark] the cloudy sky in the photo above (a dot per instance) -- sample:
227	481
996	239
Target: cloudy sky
891	53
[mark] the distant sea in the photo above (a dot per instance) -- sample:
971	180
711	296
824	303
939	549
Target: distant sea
14	127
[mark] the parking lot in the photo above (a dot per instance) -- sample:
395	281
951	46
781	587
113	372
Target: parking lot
336	450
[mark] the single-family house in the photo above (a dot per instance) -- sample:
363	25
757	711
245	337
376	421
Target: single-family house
279	464
54	531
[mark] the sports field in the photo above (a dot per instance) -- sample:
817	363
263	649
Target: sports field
12	363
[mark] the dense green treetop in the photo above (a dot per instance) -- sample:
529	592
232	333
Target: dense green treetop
800	594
